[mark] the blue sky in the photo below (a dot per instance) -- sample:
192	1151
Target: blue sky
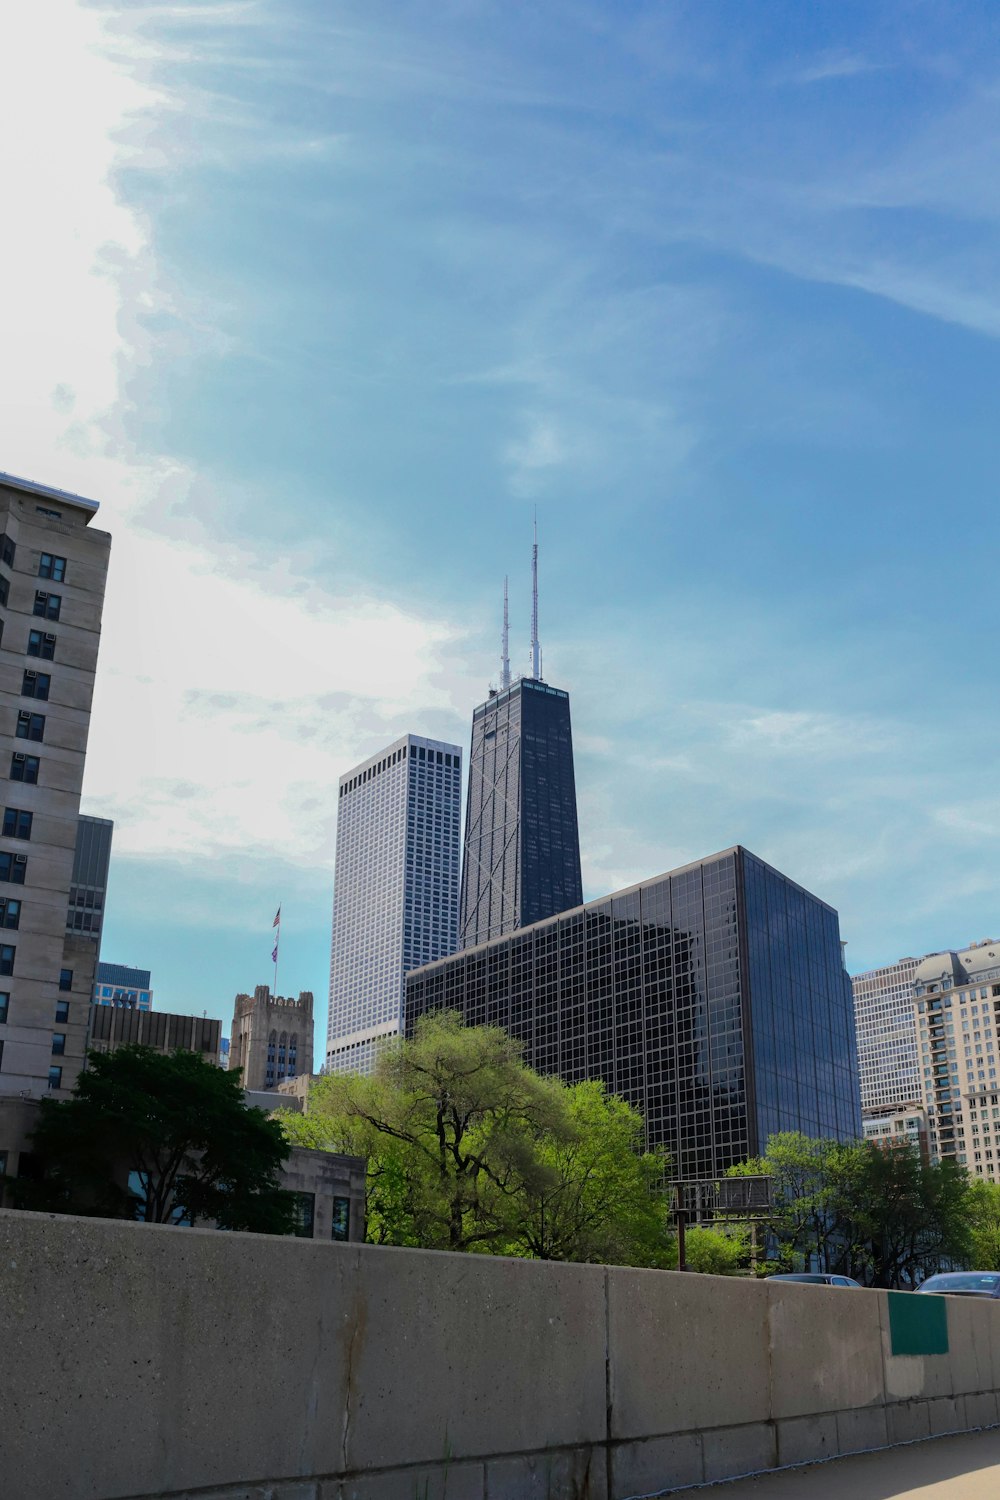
323	299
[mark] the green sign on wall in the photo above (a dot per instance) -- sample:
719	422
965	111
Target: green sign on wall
918	1324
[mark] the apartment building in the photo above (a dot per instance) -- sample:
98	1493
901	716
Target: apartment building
53	568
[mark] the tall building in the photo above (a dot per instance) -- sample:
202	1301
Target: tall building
395	890
272	1037
522	844
123	988
956	1002
53	567
713	998
887	1037
88	891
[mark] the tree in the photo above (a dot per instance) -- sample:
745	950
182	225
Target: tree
807	1177
984	1224
714	1252
903	1215
160	1139
469	1149
598	1194
880	1213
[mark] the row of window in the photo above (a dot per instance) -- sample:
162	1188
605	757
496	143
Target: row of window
62	1008
47	606
49	566
58	1037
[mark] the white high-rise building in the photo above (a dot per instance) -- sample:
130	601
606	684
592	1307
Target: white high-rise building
395	889
887	1036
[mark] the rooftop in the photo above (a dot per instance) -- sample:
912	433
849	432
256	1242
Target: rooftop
49	492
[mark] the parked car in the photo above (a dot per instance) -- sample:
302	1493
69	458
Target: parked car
817	1278
964	1283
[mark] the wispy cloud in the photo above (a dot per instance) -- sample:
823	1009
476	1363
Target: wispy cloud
832	65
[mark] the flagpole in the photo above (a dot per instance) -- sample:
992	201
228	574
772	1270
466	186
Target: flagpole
277	942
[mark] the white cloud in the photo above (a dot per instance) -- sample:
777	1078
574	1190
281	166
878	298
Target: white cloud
232	691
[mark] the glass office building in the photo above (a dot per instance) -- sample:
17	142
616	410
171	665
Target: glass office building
713	998
522	842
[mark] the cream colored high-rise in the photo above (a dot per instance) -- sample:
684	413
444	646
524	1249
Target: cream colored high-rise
956	1002
53	568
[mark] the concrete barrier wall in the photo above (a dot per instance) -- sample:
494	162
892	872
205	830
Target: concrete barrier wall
143	1361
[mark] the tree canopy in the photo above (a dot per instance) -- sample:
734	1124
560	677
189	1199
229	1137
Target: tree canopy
882	1214
162	1139
469	1149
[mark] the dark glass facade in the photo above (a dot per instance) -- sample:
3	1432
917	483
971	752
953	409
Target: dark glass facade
713	998
522	844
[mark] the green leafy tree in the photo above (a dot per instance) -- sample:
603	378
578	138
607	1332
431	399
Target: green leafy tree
178	1127
883	1215
469	1149
903	1216
714	1252
807	1177
594	1193
984	1224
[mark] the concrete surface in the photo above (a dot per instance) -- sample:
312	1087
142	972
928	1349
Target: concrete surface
145	1362
965	1467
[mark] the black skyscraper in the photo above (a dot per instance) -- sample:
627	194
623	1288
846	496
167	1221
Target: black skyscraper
713	998
522	843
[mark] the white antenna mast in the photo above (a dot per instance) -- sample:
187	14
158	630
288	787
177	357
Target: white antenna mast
505	645
536	667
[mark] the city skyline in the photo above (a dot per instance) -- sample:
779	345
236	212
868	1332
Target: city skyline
715	300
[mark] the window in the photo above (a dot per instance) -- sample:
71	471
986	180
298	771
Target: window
7	551
10	912
35	684
13	868
4	1005
62	1010
341	1219
4	589
30	726
58	1043
47	605
52	567
42	643
16	823
7	958
24	768
304	1215
55	1078
65	979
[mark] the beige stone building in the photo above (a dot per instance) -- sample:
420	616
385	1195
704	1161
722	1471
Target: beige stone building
272	1037
956	1002
53	567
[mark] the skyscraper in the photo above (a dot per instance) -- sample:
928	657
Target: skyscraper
395	891
713	998
956	1004
887	1036
89	889
53	567
522	842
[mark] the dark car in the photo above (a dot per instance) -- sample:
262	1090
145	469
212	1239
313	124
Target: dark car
964	1283
817	1278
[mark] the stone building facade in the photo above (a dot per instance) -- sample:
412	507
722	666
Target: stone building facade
272	1037
53	568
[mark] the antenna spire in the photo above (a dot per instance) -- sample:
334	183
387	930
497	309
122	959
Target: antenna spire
505	645
536	668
